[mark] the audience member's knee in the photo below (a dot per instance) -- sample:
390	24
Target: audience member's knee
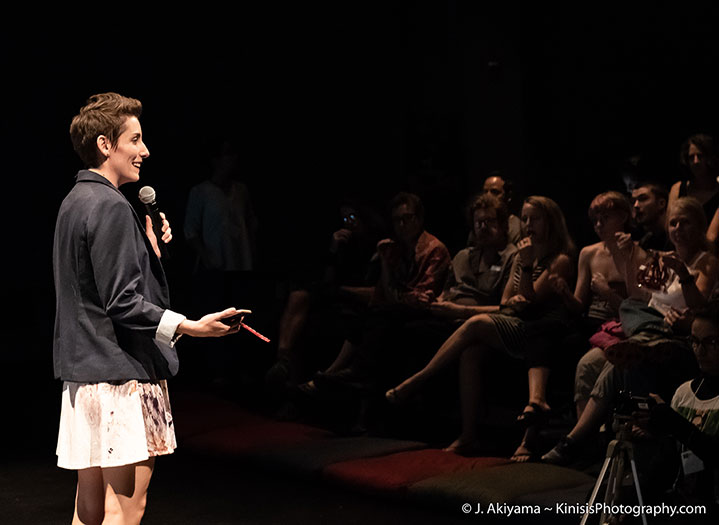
298	300
588	369
476	324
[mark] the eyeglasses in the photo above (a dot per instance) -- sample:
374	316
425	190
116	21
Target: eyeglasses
708	343
491	221
403	219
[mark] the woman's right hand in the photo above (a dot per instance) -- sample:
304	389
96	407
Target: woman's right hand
210	325
624	243
526	251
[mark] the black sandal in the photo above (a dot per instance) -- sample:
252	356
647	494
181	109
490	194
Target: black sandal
530	418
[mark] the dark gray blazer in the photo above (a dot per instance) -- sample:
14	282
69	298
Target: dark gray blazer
111	290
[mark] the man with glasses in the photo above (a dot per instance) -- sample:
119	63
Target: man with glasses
693	417
413	269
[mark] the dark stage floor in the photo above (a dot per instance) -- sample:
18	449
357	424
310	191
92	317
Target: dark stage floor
186	488
190	490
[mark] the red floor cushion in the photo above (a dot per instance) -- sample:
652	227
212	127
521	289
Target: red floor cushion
311	458
244	439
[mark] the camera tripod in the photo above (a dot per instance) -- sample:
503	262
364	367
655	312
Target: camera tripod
620	453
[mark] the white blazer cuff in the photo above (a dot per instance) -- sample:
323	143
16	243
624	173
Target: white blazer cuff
167	329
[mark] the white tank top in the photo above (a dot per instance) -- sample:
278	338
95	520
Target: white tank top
672	297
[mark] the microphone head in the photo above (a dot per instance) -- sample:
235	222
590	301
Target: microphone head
147	195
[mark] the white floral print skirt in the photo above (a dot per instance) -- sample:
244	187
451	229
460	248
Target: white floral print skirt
114	424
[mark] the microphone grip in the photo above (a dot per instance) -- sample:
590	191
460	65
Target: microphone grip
154	214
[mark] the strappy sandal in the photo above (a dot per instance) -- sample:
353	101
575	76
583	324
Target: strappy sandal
537	416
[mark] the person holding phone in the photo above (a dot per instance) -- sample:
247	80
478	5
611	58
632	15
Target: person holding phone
114	337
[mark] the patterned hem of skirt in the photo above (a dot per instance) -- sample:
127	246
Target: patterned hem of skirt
110	425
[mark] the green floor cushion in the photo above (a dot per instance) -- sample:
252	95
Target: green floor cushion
503	484
394	472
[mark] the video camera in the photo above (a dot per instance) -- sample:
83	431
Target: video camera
629	404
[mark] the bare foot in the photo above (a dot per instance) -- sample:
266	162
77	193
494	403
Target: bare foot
524	451
400	394
463	447
522	455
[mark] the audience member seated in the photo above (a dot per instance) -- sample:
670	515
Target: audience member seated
653	358
503	189
700	157
339	292
413	268
475	283
649	211
532	318
600	288
693	418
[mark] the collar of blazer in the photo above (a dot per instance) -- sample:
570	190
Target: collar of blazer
91	176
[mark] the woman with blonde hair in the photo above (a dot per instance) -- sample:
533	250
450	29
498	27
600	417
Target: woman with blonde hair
531	311
664	289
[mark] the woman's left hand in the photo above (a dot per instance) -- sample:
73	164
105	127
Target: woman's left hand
166	232
599	285
516	299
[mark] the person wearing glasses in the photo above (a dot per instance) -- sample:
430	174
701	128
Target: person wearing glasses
692	418
413	267
334	292
531	319
653	357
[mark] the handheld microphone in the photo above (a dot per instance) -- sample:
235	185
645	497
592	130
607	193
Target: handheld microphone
147	197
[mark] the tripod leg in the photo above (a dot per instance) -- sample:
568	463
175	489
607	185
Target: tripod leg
597	486
613	486
617	478
638	488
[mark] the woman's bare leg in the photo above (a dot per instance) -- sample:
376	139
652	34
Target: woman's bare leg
292	322
343	359
471	397
477	329
593	415
126	492
538	378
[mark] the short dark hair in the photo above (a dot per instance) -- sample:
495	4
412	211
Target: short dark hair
508	184
103	114
657	188
489	201
409	199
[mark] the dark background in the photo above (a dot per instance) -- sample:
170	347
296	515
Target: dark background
366	98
